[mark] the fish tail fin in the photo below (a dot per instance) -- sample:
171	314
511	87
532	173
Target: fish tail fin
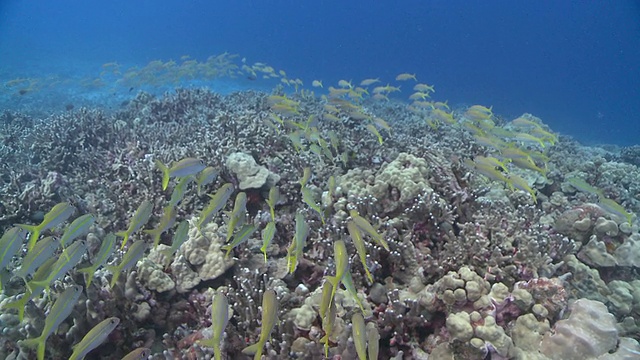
217	353
89	280
155	234
125	236
165	174
253	349
292	263
210	342
205	342
228	249
31	285
156	239
89	271
116	274
324	338
34	230
335	284
368	273
37	343
325	341
18	305
167	253
334	281
215	345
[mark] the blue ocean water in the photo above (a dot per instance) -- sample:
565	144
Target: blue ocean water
572	63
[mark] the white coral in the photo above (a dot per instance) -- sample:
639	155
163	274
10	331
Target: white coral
589	332
202	251
152	275
249	173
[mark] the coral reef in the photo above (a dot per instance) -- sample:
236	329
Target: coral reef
465	262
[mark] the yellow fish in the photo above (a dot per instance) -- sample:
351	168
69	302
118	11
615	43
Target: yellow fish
269	318
219	320
405	77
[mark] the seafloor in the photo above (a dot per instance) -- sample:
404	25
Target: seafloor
474	253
